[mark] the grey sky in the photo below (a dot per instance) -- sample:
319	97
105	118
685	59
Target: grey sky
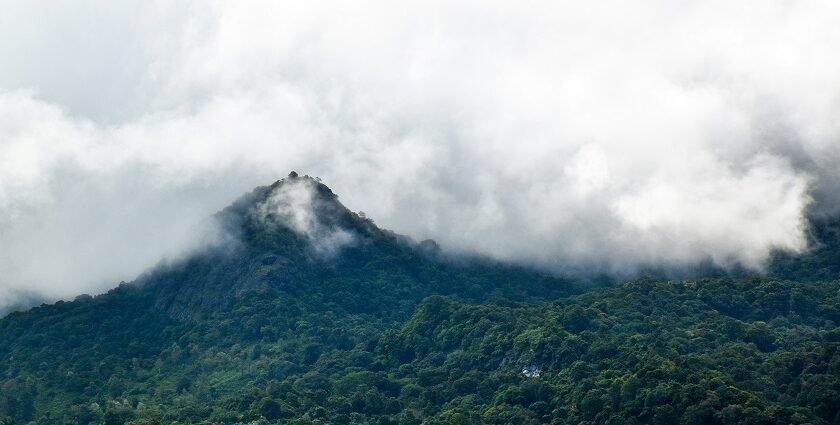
555	133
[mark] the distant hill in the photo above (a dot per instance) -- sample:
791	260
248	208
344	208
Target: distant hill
310	313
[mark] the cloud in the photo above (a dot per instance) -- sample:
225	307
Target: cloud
598	136
296	206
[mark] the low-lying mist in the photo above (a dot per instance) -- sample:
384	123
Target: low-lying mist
562	135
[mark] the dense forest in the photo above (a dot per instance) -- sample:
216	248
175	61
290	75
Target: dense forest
271	327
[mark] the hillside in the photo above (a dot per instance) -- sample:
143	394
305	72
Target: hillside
310	313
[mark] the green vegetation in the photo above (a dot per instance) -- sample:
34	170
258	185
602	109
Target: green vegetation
388	332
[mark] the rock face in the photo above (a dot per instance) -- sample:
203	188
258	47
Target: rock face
531	371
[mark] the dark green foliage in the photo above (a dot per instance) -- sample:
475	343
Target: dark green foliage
821	262
266	330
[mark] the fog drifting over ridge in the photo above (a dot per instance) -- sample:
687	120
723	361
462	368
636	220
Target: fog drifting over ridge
557	134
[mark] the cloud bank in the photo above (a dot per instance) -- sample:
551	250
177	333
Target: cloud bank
603	136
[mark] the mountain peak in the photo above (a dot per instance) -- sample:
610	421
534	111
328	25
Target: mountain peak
298	205
313	185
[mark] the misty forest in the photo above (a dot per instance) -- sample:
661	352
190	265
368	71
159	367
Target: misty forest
551	212
311	313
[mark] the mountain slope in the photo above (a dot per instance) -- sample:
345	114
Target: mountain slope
713	351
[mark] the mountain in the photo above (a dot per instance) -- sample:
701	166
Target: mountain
305	312
297	275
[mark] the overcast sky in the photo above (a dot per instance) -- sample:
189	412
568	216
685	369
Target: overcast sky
594	134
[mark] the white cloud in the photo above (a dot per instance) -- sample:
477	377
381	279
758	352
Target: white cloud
607	134
296	205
